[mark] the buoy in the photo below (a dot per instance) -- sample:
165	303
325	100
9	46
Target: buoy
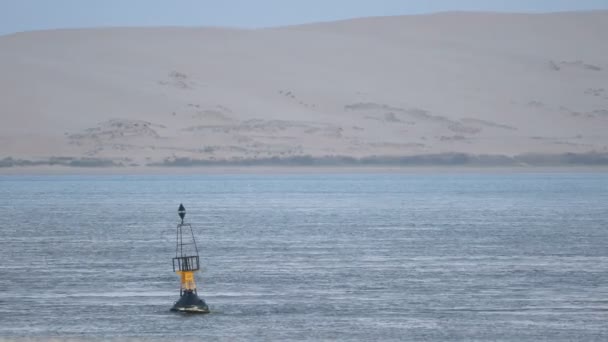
185	264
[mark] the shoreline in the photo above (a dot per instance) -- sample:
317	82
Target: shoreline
287	170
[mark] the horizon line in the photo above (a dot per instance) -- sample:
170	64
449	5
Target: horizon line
306	23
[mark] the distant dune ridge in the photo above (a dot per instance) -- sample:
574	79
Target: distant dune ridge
441	89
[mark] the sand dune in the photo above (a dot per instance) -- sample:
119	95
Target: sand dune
444	84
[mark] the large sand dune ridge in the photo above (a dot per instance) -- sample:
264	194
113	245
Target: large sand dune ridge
470	83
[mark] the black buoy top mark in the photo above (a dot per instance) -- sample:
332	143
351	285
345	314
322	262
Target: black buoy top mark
182	212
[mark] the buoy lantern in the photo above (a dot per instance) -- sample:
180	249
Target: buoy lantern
185	263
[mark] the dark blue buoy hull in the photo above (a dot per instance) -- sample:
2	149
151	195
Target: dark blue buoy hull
190	303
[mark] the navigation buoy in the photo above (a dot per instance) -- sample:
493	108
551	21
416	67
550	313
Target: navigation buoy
185	263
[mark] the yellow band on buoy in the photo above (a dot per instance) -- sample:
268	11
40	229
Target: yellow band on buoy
187	280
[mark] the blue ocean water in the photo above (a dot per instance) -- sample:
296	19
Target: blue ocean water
425	257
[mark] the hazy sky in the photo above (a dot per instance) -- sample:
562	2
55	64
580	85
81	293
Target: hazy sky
24	15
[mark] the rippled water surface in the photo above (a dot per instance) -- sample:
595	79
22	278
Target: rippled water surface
510	257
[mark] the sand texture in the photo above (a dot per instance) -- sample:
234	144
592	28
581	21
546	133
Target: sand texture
452	85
